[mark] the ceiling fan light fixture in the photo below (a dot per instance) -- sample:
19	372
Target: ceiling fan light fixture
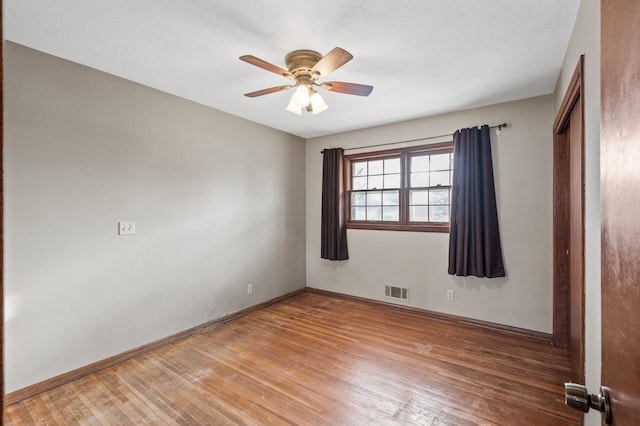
292	107
317	103
301	96
305	67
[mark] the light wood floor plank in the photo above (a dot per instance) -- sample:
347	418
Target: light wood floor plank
314	359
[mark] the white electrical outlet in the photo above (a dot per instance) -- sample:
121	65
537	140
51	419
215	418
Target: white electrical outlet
249	288
450	295
126	228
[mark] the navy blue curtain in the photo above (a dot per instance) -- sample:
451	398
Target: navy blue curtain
474	236
333	231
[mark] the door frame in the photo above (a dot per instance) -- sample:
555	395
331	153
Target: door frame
561	192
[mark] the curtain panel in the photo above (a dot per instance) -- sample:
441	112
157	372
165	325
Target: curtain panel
333	231
474	236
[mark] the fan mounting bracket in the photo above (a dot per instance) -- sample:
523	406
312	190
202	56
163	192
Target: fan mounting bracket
301	62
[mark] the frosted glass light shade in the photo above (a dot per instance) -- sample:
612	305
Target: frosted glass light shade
301	96
292	107
317	103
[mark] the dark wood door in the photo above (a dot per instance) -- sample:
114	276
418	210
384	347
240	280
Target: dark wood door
568	224
576	244
620	180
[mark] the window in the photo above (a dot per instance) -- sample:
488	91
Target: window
406	189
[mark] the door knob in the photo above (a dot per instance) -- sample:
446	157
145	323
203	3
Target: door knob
578	397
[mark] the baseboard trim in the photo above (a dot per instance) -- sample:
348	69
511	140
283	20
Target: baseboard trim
500	328
78	373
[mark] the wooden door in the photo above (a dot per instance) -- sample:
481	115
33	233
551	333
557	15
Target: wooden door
620	180
576	245
568	225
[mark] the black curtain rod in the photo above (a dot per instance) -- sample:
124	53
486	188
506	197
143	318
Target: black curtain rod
498	126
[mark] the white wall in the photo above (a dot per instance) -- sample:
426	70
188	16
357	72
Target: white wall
522	156
218	203
586	40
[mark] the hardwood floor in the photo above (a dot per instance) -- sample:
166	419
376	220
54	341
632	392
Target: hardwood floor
314	359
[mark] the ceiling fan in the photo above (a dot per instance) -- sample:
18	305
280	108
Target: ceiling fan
305	67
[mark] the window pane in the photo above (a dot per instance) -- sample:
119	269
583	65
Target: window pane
374	198
377	185
390	198
440	162
360	169
392	181
439	197
358	213
439	214
418	213
391	213
392	165
375	182
439	178
358	199
419	179
420	163
419	197
359	183
375	167
374	213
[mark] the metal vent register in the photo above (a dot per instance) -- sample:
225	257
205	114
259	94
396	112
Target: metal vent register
401	293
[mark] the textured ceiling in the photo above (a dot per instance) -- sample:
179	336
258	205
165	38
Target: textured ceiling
424	57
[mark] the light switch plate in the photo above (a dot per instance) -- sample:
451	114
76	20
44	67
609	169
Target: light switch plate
126	228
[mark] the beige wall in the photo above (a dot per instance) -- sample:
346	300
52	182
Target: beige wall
218	203
586	40
522	157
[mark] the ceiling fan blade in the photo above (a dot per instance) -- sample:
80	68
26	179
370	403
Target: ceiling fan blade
348	88
267	91
250	59
332	61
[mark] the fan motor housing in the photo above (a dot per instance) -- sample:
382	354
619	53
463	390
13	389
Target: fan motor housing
300	62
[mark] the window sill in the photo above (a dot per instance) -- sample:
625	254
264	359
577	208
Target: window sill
444	228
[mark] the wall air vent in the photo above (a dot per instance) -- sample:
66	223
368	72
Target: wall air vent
400	293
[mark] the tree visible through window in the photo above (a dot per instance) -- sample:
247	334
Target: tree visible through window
403	189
